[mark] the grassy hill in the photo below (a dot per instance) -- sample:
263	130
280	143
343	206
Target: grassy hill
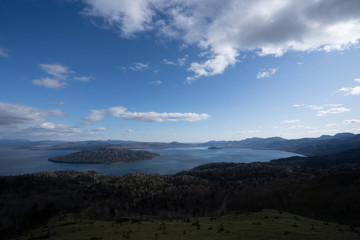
266	224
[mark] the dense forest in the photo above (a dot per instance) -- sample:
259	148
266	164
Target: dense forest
109	155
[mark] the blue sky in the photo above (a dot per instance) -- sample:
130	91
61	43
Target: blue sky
186	71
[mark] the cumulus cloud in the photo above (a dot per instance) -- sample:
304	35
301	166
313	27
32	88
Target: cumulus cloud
49	83
351	90
18	114
225	29
123	113
266	73
3	52
357	80
332	111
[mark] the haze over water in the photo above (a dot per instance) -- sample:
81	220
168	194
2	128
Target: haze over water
170	161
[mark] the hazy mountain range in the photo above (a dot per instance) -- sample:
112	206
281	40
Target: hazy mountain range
325	144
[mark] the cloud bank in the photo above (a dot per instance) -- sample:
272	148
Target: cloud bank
225	29
325	109
123	113
18	114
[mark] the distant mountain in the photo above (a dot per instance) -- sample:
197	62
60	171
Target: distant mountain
105	155
309	146
23	143
323	145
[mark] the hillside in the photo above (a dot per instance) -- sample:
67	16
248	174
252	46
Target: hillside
266	224
330	193
349	159
105	155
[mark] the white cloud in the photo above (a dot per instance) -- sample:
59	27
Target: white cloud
139	66
83	78
357	80
352	121
121	112
59	76
117	111
248	131
99	129
291	121
298	105
49	83
18	114
47	125
47	129
332	111
3	52
351	90
95	116
325	108
130	130
311	107
331	124
158	82
57	70
164	117
178	62
266	73
332	105
225	29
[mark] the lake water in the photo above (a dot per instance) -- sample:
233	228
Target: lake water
171	160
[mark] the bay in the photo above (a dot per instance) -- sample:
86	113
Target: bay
170	161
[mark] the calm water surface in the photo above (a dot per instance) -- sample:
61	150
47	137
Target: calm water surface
171	160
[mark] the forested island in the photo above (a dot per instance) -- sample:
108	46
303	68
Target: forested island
105	155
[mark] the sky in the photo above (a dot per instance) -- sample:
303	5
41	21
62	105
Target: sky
178	70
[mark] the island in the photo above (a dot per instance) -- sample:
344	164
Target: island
105	156
214	148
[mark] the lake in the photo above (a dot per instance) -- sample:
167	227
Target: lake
170	161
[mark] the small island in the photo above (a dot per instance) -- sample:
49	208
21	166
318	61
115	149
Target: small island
105	156
214	148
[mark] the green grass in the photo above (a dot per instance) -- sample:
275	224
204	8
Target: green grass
267	225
